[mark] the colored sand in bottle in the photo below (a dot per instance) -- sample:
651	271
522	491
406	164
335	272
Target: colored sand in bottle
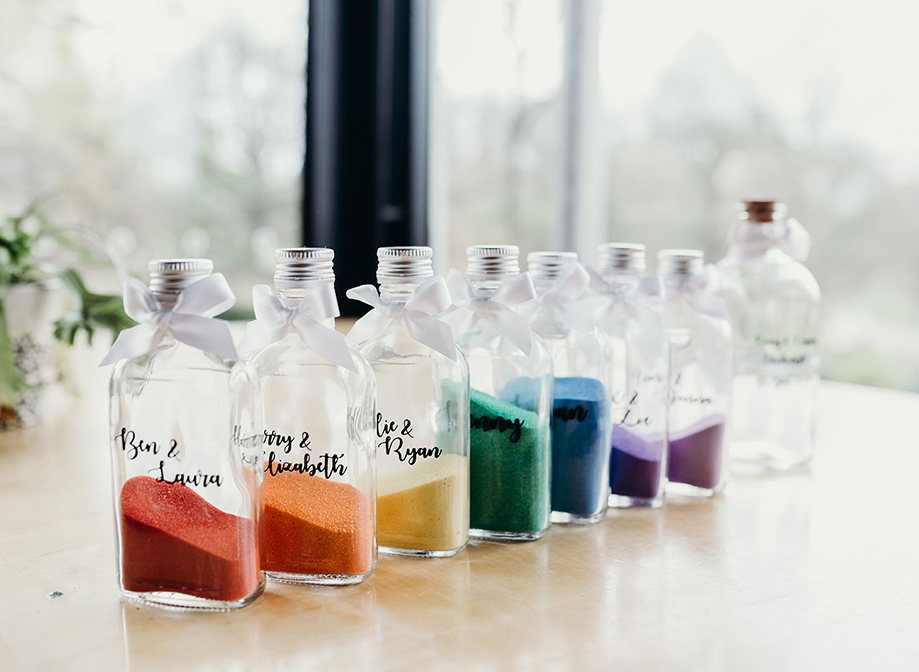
580	418
424	506
508	467
173	540
635	464
696	453
314	526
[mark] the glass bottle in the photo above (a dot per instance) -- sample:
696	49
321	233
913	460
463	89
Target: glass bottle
422	435
186	452
699	336
639	380
774	306
581	364
510	412
320	477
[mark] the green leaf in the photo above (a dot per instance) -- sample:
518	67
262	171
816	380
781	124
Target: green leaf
93	311
11	382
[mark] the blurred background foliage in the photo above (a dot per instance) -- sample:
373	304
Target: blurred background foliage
172	127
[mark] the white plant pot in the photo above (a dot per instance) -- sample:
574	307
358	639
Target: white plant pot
31	310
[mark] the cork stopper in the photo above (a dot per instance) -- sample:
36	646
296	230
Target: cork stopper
762	211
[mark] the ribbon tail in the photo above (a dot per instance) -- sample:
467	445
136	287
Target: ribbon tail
367	327
259	334
326	342
460	321
134	342
430	331
204	333
596	281
513	327
207	297
460	290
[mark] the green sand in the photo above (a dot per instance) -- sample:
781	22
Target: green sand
509	480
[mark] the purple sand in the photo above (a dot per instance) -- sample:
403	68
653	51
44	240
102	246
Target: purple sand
635	464
695	453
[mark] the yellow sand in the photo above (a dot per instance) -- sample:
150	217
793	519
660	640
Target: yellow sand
424	506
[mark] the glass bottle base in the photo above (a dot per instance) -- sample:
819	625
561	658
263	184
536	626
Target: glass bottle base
495	535
419	552
565	518
180	601
762	457
627	502
674	489
319	579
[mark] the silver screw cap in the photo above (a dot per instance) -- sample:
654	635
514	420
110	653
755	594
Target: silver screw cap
547	266
621	258
409	265
303	266
486	263
680	262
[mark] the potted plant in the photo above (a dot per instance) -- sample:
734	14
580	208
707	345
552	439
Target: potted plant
34	311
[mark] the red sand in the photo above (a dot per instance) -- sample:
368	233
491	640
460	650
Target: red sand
173	540
316	526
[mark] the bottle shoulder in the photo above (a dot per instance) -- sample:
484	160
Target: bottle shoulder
175	359
395	346
292	357
774	274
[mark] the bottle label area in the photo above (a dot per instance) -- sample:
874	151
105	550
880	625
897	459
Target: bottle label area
294	453
164	456
396	438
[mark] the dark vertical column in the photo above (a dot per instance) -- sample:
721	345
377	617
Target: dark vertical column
364	178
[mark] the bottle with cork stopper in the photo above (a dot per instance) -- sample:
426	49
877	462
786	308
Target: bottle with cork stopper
773	301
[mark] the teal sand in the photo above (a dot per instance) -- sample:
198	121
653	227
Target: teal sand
509	470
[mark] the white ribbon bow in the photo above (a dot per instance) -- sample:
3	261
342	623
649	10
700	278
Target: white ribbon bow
629	300
748	240
561	299
416	314
700	293
274	319
495	309
190	320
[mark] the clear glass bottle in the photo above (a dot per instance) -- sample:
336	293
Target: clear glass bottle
320	476
640	377
774	306
699	336
582	369
186	426
510	412
421	425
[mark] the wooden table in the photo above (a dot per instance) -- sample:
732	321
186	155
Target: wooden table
804	571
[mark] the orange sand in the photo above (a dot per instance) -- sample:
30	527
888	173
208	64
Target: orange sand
316	526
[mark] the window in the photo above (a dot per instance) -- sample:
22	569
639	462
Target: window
170	128
699	105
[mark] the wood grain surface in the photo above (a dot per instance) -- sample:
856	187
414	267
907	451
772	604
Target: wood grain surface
806	571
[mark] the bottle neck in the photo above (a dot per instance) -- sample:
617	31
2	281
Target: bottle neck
292	294
484	288
400	291
621	281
